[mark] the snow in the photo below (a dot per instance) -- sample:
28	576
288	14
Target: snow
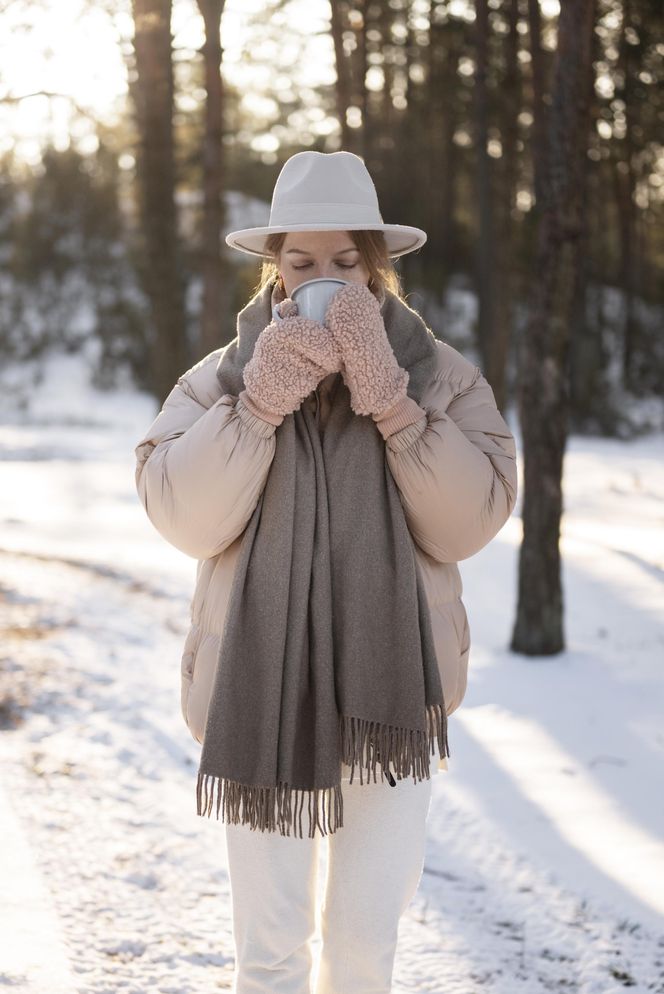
544	867
35	956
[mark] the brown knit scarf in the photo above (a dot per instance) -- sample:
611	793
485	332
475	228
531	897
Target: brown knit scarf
327	654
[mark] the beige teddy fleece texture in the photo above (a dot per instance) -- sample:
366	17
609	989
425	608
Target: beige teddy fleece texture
290	359
292	356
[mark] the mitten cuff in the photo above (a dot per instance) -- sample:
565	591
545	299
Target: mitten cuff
402	414
249	409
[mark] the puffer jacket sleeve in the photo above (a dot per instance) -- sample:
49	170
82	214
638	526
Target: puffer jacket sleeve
203	463
456	467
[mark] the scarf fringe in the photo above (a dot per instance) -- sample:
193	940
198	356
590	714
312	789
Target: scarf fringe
270	808
406	749
280	808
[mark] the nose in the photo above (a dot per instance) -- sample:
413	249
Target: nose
322	271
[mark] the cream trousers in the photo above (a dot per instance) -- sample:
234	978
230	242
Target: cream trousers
374	865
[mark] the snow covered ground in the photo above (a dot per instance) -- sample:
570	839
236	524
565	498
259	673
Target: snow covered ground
545	856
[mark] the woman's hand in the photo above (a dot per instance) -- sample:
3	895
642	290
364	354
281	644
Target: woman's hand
284	309
291	356
370	370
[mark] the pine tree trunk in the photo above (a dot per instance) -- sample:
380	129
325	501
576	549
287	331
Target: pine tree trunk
216	324
543	357
153	93
590	409
505	256
450	159
625	182
342	89
484	248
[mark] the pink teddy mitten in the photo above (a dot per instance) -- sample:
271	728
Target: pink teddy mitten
289	360
370	370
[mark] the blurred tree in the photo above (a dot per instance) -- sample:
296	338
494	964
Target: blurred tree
343	88
543	381
69	269
485	242
508	99
626	169
216	318
152	91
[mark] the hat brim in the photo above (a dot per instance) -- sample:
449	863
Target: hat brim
400	238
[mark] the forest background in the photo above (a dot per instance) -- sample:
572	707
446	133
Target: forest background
523	136
135	136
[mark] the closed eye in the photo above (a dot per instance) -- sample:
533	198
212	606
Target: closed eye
339	264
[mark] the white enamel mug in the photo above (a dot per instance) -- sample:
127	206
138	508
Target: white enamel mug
313	296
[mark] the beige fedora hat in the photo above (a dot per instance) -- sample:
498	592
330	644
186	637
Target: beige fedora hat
326	191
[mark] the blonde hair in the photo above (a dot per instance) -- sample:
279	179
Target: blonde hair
373	251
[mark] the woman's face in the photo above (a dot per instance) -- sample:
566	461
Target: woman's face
310	255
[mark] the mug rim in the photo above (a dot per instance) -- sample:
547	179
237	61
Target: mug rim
317	279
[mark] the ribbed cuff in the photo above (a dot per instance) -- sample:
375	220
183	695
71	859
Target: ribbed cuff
255	417
404	413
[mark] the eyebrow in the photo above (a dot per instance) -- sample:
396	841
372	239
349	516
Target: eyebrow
341	252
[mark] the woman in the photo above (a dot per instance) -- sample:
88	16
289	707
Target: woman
328	477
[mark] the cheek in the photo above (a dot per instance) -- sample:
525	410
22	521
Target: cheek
289	278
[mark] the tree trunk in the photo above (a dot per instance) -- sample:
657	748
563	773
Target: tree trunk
590	408
449	55
540	124
387	151
362	94
156	179
504	265
544	353
484	244
217	292
342	88
438	111
625	182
